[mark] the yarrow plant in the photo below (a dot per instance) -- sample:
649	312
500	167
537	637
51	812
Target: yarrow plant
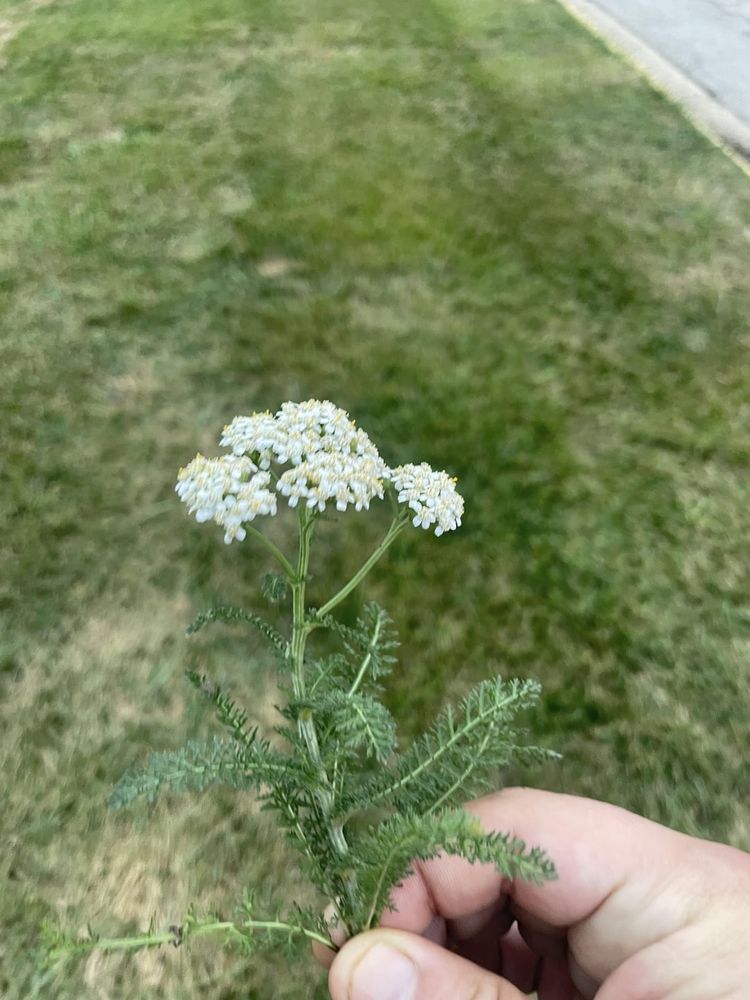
356	808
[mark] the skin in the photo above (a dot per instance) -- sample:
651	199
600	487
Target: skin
639	912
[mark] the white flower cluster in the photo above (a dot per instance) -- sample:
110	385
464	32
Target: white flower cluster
330	459
296	432
227	490
345	478
431	495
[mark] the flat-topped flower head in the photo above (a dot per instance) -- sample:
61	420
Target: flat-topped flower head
229	490
347	479
295	433
256	435
431	495
331	458
322	457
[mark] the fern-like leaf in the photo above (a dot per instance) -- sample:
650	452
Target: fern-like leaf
357	722
369	643
456	757
274	587
198	765
329	671
230	714
229	614
384	857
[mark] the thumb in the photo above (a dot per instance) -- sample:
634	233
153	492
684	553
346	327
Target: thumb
397	965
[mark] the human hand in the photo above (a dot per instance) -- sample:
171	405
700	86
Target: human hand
639	912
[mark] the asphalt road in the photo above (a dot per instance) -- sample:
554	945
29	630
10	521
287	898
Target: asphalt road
707	40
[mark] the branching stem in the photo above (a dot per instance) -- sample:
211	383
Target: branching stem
192	928
397	526
306	722
368	656
274	550
445	797
458	734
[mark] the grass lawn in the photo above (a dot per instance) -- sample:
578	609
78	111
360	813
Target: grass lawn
481	233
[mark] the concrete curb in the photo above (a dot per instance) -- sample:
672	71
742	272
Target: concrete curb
718	124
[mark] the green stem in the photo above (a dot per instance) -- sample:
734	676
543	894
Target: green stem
274	550
471	724
129	943
458	783
397	526
366	661
280	925
306	722
176	935
299	581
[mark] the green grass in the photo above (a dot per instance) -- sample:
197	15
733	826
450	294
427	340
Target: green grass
478	231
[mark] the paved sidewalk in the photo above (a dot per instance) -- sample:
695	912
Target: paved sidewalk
696	50
709	40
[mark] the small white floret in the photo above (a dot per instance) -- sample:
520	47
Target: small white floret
431	495
229	490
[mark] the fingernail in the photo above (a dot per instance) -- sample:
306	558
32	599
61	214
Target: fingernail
384	974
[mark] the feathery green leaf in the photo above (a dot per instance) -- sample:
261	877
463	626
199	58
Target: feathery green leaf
454	759
229	713
328	671
275	587
357	722
229	614
369	643
198	765
384	857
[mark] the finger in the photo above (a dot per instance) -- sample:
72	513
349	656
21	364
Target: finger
322	955
518	963
532	972
325	956
553	981
435	931
479	942
611	864
539	935
595	847
396	965
469	926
